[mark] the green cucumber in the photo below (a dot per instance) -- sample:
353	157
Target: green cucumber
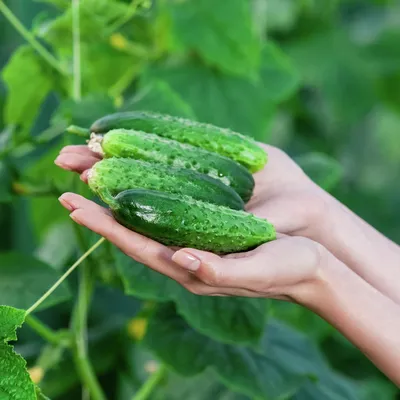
182	221
240	148
113	175
152	148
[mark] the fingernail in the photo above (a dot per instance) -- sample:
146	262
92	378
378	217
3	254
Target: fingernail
186	260
65	204
59	163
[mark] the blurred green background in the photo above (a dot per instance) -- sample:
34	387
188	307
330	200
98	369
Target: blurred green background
319	79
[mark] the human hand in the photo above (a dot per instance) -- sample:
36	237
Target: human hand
283	193
287	268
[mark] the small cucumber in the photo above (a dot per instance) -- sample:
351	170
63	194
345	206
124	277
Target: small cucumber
152	148
113	175
182	221
230	144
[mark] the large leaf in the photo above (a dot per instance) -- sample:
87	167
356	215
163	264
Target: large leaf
221	32
28	82
23	279
240	368
54	249
158	96
287	362
238	103
15	382
228	319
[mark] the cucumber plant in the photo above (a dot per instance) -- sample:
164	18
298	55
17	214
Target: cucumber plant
120	330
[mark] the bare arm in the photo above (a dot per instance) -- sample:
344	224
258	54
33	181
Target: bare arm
366	251
370	320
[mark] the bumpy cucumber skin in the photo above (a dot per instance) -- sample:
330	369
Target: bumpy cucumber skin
152	148
185	222
230	144
113	175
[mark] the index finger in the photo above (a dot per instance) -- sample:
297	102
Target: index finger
142	249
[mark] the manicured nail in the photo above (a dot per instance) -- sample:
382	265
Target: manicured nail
61	164
65	204
186	260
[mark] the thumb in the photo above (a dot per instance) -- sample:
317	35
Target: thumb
282	262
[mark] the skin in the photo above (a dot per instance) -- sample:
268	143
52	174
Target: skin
325	258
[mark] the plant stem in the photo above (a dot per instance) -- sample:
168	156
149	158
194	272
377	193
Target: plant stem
43	330
63	277
77	130
151	383
76	43
79	327
79	322
51	60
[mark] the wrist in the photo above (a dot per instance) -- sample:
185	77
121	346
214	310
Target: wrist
316	292
326	214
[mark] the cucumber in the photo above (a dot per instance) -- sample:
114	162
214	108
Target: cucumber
240	148
113	175
152	148
182	221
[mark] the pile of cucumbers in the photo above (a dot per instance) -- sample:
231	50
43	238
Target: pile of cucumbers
180	182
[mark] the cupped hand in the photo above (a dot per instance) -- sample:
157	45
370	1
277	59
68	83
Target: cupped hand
286	269
283	269
283	193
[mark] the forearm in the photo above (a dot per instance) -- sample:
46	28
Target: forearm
362	248
361	313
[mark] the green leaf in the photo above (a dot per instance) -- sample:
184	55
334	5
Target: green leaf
286	363
329	62
107	69
302	319
10	319
54	250
28	82
221	32
85	111
23	279
278	75
324	170
179	388
235	319
95	17
374	388
158	96
383	53
15	382
238	103
240	368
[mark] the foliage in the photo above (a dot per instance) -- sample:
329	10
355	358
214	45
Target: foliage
319	79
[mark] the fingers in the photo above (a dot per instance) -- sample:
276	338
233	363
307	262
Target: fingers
140	248
76	158
75	162
268	269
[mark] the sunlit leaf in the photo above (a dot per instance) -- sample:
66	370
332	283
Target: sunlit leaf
221	32
28	81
